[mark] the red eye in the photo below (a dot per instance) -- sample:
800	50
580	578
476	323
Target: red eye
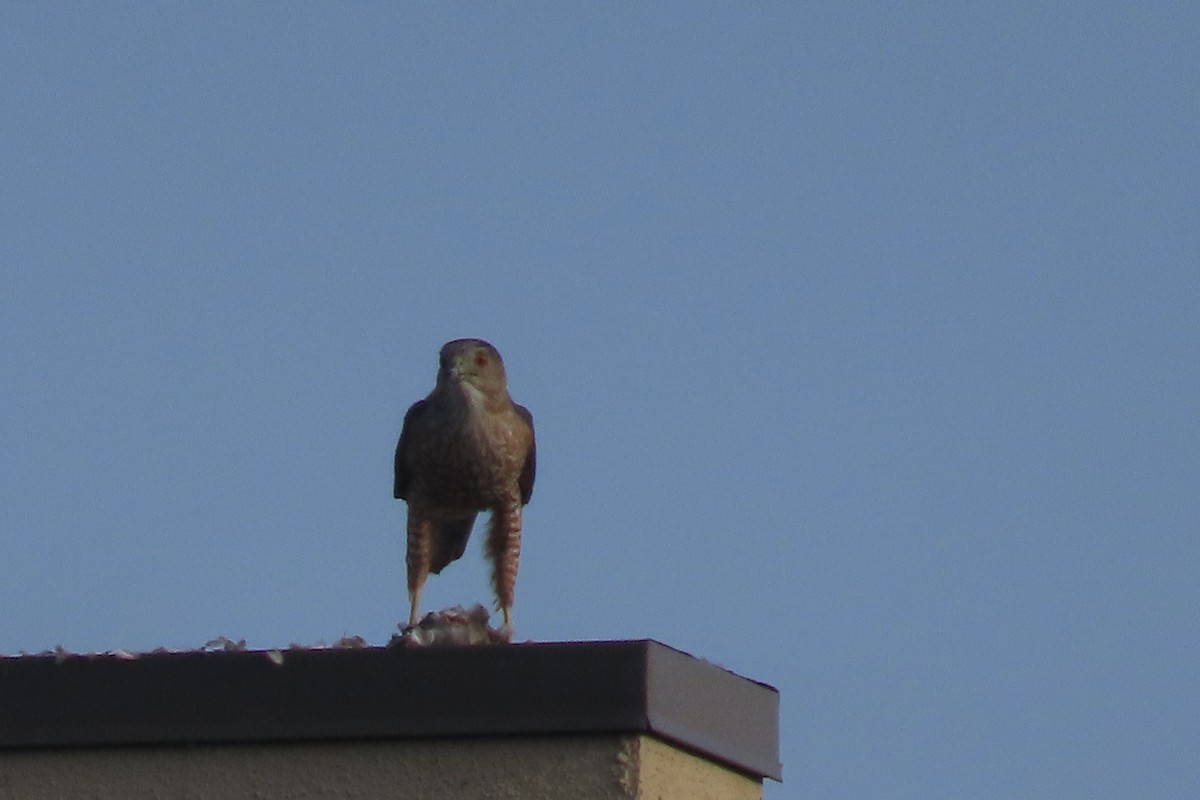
480	359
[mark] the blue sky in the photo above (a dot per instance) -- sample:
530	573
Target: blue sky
862	342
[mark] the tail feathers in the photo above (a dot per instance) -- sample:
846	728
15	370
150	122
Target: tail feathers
450	541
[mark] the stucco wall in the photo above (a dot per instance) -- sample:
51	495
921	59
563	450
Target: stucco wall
585	767
665	771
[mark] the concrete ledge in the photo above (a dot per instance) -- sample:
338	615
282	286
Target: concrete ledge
524	690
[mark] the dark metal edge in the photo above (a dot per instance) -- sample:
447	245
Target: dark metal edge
711	710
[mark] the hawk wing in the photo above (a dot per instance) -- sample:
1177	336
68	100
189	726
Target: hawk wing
403	473
528	471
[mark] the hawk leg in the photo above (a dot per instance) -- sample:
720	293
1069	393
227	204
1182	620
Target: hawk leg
504	550
418	558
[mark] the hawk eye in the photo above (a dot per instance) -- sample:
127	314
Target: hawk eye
480	359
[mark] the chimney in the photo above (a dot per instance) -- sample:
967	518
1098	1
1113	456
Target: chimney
581	720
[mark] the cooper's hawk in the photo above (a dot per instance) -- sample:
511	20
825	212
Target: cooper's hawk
465	448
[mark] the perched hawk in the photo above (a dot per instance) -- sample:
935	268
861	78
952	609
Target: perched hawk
465	448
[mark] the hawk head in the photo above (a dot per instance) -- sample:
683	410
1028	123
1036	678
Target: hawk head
475	363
